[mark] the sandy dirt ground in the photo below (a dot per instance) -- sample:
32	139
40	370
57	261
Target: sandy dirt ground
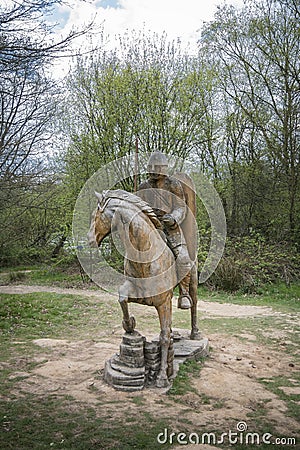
228	380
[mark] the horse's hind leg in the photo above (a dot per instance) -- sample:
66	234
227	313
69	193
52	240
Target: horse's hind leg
195	334
128	321
165	318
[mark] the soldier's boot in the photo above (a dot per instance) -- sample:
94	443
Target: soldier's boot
184	299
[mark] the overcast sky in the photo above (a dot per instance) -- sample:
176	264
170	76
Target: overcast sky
178	18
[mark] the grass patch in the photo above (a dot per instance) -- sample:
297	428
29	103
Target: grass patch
59	277
278	296
52	422
20	268
182	383
39	314
47	275
138	400
262	327
46	315
16	277
292	401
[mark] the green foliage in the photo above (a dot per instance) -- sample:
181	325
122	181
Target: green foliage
261	113
251	261
39	220
233	110
30	213
151	91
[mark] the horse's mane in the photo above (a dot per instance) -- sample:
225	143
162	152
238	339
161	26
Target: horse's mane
137	201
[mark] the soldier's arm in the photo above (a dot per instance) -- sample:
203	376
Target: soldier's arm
178	199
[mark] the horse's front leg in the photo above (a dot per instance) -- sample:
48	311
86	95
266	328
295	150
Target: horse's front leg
195	334
165	318
128	322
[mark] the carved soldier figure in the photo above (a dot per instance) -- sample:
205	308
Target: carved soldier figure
166	196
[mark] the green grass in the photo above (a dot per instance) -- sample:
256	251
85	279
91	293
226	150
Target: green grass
183	381
39	314
278	296
138	400
292	400
60	423
47	275
29	422
48	315
261	327
18	268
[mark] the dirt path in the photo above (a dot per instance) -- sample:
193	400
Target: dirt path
227	391
28	289
207	308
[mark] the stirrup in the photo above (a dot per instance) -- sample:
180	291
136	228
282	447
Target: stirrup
184	301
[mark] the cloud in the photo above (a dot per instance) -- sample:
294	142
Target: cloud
181	19
178	18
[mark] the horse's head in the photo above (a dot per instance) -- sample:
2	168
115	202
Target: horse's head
117	207
101	221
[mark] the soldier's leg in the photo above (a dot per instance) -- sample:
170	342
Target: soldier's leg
183	266
178	245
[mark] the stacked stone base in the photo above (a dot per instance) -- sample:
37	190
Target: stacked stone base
137	364
125	371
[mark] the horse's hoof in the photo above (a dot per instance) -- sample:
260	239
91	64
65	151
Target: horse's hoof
195	336
129	325
162	382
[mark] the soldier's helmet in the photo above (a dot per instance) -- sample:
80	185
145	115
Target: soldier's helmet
158	164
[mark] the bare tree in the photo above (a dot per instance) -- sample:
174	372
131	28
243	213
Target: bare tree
25	38
258	51
28	104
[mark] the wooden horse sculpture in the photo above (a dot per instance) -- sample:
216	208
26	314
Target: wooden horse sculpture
149	263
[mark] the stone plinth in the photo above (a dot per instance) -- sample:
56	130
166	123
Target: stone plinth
138	363
186	350
125	371
152	361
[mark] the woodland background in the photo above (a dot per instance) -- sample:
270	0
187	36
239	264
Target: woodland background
233	109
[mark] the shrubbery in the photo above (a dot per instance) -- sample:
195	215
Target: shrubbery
251	261
248	262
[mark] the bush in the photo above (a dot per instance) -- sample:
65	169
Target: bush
251	261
